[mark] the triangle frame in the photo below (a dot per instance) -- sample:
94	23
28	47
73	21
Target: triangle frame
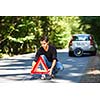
35	69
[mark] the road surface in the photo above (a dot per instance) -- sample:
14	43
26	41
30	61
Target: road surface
18	68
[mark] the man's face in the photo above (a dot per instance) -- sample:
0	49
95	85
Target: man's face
44	43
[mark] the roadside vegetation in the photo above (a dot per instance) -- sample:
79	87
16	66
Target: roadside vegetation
21	34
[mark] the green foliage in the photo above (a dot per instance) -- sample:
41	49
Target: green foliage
21	34
91	25
21	40
61	29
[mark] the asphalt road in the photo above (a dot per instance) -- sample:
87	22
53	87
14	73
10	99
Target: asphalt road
18	68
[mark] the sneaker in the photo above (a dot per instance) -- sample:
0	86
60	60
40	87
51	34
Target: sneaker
53	76
48	77
43	77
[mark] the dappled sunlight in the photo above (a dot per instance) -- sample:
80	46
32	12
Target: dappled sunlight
75	74
94	72
18	68
8	62
73	67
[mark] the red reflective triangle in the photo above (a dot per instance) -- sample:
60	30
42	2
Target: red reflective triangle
35	69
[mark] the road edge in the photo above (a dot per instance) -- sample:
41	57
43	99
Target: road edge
92	72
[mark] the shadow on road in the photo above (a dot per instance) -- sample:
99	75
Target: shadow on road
72	68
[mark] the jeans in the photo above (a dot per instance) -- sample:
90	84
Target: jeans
58	66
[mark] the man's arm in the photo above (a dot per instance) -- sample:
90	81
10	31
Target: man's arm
52	66
33	64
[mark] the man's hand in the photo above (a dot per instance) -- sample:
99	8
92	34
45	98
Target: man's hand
52	67
50	71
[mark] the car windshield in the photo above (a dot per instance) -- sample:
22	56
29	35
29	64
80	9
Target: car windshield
81	38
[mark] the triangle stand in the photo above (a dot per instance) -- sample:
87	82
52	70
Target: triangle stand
36	70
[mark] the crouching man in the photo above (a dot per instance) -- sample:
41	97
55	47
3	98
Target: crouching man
49	55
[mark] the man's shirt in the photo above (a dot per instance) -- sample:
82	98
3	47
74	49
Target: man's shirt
51	54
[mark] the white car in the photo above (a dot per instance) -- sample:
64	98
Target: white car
82	43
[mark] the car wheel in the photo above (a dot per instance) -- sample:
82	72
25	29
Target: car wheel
78	52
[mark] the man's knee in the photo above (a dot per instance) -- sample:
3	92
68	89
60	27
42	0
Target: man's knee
43	56
59	66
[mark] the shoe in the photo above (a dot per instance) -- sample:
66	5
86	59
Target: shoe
53	76
43	77
48	77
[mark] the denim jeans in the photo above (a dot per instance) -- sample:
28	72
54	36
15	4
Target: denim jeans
58	66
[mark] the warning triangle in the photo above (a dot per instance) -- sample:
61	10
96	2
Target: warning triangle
37	70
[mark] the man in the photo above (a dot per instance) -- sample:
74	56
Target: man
49	55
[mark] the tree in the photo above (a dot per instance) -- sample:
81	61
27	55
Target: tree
21	34
91	25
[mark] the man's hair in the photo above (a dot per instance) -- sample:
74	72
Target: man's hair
44	38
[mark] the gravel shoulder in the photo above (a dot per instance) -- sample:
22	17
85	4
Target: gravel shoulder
92	73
